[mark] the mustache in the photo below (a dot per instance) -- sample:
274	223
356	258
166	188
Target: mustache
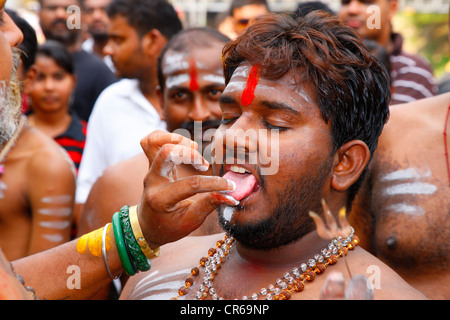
57	21
202	125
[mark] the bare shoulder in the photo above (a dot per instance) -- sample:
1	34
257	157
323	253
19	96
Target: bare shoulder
133	168
388	285
123	181
424	112
414	123
169	271
44	153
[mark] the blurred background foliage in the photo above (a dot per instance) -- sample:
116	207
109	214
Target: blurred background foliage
427	35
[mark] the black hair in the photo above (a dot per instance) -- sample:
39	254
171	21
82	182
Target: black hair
351	87
58	52
80	2
29	44
306	7
146	15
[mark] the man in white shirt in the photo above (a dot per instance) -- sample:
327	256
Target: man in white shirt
128	110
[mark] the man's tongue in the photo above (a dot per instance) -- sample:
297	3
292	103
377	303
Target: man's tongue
245	183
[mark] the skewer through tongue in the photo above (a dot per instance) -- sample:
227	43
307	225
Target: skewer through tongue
245	182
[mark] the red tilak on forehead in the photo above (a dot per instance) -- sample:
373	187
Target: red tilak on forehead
249	92
193	74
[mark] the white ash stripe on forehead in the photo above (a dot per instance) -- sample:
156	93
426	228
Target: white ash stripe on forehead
177	80
238	86
301	92
214	78
235	86
241	71
64	199
56	212
174	63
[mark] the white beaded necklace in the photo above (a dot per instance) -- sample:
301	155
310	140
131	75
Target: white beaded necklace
285	285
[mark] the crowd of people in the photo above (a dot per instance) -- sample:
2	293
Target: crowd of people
124	151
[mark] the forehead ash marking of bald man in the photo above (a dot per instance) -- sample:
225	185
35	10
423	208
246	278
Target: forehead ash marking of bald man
175	62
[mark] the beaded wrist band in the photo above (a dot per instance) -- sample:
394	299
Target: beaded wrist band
137	256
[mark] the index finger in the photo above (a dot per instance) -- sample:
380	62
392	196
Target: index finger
153	142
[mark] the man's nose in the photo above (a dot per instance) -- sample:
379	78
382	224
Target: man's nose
354	7
199	111
12	33
241	136
108	49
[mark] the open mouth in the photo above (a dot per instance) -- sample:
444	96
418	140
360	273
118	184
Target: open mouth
246	183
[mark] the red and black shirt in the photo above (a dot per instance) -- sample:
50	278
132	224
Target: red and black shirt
74	139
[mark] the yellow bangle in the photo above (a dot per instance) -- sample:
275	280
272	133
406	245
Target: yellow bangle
148	252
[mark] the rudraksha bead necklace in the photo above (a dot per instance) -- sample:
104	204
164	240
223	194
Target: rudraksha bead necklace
292	282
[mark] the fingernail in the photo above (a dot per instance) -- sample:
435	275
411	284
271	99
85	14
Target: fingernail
201	167
313	215
232	185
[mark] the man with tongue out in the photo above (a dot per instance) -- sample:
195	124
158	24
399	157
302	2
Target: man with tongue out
302	111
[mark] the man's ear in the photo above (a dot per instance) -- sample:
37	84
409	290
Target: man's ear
351	159
153	42
160	95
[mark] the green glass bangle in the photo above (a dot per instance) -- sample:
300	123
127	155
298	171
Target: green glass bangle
138	257
120	243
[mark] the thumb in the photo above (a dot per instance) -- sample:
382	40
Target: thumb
334	287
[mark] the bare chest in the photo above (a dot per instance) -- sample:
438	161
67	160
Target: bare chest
411	209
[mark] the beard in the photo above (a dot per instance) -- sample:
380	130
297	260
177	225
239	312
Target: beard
289	220
10	101
63	35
